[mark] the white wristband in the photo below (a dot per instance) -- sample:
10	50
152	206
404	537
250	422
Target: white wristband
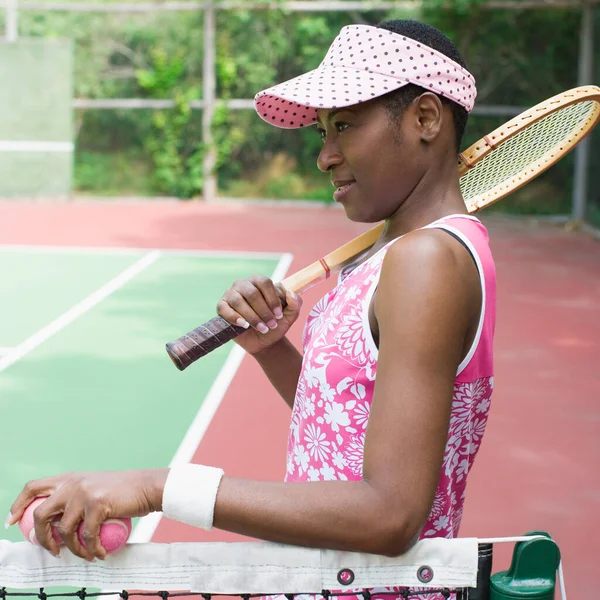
190	494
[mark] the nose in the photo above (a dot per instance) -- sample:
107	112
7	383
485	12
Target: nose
329	157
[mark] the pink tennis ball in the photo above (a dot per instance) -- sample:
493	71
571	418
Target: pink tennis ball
114	533
26	525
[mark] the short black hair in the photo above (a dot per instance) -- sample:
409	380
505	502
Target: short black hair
397	101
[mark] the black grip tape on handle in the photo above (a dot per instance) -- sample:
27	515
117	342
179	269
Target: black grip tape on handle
204	339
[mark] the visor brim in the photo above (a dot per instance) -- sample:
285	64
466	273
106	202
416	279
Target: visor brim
295	103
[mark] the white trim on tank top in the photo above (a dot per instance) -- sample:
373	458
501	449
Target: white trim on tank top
456	216
370	342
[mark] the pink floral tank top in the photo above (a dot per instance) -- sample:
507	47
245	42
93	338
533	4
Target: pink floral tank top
335	388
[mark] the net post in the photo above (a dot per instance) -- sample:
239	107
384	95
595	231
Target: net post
484	573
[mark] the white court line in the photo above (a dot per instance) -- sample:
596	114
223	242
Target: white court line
147	525
76	311
122	251
5	350
27	146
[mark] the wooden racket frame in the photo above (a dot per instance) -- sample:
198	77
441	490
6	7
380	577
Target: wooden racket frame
197	343
333	262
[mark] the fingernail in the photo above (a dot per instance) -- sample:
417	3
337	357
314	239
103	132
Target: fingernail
8	521
272	324
278	313
242	323
293	295
262	328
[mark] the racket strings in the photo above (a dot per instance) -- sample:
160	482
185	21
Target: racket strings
521	154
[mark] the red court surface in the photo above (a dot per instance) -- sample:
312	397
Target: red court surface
539	465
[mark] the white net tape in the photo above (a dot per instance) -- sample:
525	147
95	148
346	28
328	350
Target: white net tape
524	150
248	569
240	568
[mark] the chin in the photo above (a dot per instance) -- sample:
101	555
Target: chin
361	216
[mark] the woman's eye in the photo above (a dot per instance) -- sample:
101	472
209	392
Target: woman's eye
339	127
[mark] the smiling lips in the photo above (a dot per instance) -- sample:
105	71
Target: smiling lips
343	188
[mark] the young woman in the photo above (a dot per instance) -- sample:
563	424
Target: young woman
391	393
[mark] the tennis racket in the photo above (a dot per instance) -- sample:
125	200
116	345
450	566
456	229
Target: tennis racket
491	169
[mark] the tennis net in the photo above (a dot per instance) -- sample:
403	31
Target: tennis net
431	569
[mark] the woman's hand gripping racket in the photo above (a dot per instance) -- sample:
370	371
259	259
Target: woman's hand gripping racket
490	169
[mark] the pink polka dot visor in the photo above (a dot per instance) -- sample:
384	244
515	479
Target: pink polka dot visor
363	63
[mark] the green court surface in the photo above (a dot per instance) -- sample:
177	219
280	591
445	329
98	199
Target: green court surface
85	382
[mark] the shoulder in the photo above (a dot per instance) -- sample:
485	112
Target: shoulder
428	283
428	252
428	272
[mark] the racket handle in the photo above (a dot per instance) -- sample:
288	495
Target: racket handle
196	344
204	339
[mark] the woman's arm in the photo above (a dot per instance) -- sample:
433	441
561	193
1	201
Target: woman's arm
428	295
282	364
256	303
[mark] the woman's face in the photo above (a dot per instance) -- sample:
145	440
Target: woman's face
375	161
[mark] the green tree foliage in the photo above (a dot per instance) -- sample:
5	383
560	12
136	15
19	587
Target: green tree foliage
174	143
519	57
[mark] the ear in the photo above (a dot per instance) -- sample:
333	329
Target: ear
430	115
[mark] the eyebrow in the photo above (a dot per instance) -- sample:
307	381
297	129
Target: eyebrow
334	112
